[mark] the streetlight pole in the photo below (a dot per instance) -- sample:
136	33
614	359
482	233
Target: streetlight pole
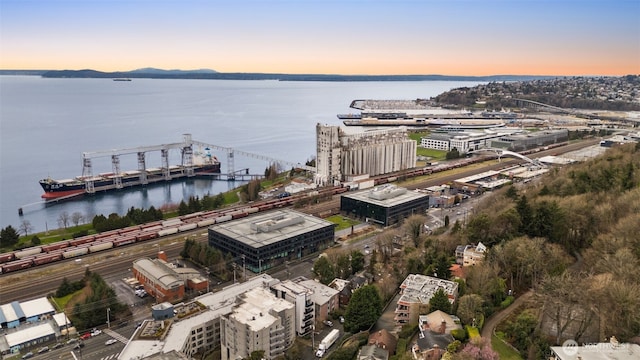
244	268
207	280
108	313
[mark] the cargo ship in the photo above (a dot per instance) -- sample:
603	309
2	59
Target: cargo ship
67	188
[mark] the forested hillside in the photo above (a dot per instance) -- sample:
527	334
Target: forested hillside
574	237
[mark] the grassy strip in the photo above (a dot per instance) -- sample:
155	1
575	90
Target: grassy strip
505	352
342	222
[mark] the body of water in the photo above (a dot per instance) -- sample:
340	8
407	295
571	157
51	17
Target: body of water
46	125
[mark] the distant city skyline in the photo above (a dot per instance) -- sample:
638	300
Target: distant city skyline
346	37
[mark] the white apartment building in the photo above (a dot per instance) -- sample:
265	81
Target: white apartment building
259	322
300	296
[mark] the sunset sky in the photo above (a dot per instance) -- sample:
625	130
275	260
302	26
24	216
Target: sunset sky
449	37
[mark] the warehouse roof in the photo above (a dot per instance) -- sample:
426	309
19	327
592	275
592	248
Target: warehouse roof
37	307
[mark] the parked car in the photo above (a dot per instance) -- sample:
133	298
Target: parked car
43	350
96	332
57	346
328	323
110	342
27	355
85	336
72	341
78	346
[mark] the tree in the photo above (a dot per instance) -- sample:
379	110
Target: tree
469	307
256	355
413	226
183	208
35	240
324	269
521	330
364	309
342	267
26	227
63	219
357	261
440	301
9	236
76	218
477	349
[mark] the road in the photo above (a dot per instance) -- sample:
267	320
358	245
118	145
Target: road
114	265
495	319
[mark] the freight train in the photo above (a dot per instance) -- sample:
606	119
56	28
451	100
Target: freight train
67	249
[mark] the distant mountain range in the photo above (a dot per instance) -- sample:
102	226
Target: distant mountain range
153	73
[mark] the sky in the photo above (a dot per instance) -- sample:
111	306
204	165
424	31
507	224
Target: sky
347	37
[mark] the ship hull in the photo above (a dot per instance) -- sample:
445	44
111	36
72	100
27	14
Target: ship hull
56	189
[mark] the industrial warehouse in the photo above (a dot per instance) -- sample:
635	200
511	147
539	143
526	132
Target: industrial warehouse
268	239
514	140
385	204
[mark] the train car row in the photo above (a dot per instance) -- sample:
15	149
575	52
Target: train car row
66	249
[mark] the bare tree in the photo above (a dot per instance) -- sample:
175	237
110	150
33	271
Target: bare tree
414	227
469	306
77	218
63	219
25	227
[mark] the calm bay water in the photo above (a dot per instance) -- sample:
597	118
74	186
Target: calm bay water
46	124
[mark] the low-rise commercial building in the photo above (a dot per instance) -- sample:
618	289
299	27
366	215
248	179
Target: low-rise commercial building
269	239
385	205
521	142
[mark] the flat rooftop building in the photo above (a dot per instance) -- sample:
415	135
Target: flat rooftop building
416	291
385	205
268	239
195	326
597	351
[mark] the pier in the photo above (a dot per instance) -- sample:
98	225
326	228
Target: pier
194	164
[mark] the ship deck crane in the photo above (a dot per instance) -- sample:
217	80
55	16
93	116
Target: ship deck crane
186	147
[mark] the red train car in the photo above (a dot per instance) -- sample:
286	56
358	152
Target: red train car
47	258
6	257
124	241
143	236
17	265
82	240
55	246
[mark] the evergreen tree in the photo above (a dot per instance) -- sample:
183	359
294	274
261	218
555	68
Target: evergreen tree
357	261
526	215
9	236
440	301
364	309
324	269
183	208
